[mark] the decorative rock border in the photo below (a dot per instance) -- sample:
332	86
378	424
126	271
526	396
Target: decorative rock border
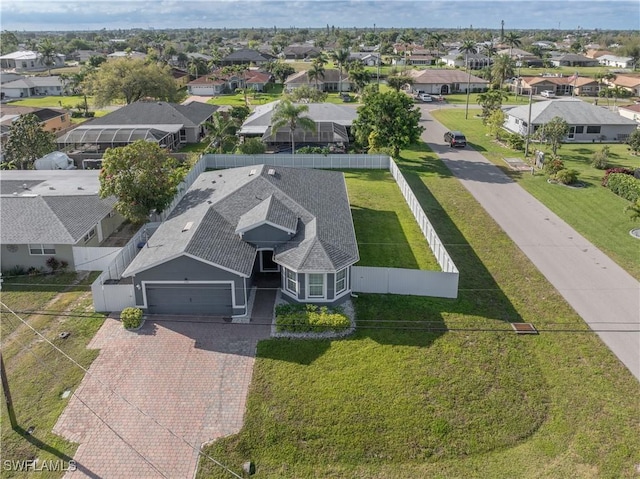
576	186
635	232
347	308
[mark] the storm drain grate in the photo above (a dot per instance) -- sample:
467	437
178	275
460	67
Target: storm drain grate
524	328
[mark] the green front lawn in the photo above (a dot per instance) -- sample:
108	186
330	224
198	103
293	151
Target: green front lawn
457	394
37	373
593	211
67	101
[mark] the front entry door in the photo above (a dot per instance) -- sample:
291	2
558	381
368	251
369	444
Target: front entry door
267	264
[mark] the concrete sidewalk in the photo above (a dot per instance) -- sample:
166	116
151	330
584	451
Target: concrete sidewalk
600	291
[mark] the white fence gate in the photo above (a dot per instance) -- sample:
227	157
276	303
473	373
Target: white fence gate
93	258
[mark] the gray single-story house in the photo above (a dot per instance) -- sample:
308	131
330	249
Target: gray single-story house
587	122
168	124
443	81
333	125
34	86
46	213
234	225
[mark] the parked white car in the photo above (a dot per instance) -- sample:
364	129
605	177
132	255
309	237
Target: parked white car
425	97
548	93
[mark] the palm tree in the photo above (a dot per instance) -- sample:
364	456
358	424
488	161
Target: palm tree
197	66
340	57
48	53
222	131
407	40
489	50
467	47
316	72
289	115
513	40
503	68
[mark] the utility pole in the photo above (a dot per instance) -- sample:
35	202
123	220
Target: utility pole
526	146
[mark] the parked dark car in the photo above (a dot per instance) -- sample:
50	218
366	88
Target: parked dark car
455	138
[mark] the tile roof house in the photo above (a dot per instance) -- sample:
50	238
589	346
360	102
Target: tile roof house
34	86
628	81
587	122
47	213
168	124
329	82
233	225
630	111
443	81
333	125
218	82
561	85
246	56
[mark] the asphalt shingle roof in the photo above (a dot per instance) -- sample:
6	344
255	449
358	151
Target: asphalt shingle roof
220	201
572	110
158	113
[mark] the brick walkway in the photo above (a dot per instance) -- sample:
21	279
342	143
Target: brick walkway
185	384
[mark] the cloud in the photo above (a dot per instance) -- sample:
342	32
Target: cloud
112	14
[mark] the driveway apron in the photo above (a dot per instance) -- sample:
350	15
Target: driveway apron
600	291
153	397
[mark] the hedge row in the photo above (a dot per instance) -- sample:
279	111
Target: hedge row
300	318
605	178
624	185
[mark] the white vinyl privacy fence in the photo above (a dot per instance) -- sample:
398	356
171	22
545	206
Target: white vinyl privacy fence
93	258
110	295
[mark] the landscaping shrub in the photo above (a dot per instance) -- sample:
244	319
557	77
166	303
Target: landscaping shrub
16	271
624	185
53	263
515	141
252	146
600	159
310	318
131	318
626	171
553	166
566	177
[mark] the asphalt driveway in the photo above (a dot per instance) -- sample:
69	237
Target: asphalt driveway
601	292
153	397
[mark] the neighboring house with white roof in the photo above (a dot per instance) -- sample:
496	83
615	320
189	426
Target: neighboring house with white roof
616	61
123	54
587	122
34	86
333	126
46	214
235	225
442	81
167	124
27	60
457	59
632	112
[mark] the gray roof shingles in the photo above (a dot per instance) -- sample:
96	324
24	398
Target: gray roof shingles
216	202
158	113
572	110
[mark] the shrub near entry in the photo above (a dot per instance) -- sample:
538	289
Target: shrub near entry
309	318
131	318
626	186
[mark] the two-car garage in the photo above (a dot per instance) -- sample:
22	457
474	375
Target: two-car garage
189	299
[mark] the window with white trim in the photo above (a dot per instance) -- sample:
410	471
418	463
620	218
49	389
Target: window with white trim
291	281
316	285
90	235
42	249
341	281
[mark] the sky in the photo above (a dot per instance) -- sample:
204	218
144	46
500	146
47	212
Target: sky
60	15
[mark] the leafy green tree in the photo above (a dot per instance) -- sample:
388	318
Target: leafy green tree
47	52
340	58
130	80
289	115
316	72
391	117
307	93
143	178
358	75
8	42
494	122
490	101
240	113
634	142
197	66
634	210
27	142
222	133
252	146
280	70
398	82
513	40
468	47
503	68
552	133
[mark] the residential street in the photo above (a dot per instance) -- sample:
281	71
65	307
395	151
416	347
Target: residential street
601	292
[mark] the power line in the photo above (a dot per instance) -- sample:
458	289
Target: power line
107	387
52	371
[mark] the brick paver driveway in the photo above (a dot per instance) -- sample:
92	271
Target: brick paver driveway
157	395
